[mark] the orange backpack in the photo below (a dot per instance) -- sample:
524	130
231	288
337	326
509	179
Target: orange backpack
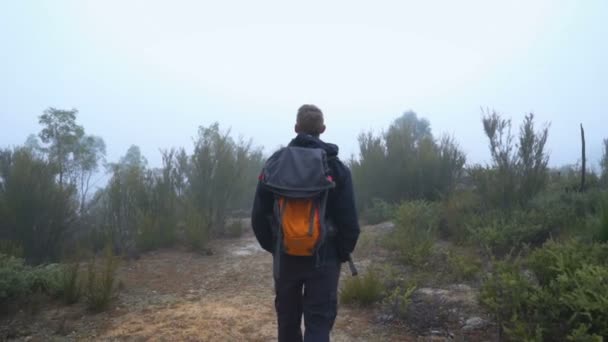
300	180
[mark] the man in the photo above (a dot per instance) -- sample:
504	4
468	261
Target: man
308	285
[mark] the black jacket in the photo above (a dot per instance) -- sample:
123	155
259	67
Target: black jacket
340	205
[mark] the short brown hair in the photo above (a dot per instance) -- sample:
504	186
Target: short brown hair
310	120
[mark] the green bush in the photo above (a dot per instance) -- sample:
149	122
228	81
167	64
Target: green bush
11	248
456	212
414	234
197	230
514	300
557	258
602	225
379	211
550	214
584	296
399	300
100	281
502	232
44	279
69	283
463	265
559	290
364	290
18	281
155	231
35	211
581	334
13	277
565	213
147	233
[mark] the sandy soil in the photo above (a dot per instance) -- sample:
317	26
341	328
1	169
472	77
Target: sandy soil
175	295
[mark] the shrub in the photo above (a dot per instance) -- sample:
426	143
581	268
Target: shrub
513	299
379	211
519	167
11	248
13	279
69	282
565	213
155	231
414	234
550	214
556	258
584	296
602	226
222	173
100	281
43	279
19	281
564	293
502	232
456	212
463	265
364	290
147	233
35	211
197	230
399	300
581	334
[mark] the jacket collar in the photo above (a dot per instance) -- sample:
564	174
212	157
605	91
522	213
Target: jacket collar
306	140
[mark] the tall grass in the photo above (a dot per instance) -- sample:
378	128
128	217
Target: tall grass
100	280
364	290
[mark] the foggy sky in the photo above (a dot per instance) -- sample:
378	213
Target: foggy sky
150	72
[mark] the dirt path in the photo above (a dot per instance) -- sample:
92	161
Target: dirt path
181	296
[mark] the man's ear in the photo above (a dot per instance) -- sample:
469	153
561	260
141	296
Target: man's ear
322	130
296	128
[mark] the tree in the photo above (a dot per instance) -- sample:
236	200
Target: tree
451	163
35	212
408	141
533	160
75	155
406	163
89	153
133	159
369	168
220	173
519	171
584	160
604	163
61	134
121	204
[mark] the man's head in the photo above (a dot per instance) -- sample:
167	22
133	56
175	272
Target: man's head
310	120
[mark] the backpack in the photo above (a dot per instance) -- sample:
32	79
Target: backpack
300	180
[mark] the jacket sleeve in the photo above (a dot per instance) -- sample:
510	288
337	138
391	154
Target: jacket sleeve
261	218
344	214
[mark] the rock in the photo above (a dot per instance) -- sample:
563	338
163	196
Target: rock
441	308
459	293
384	318
474	323
460	287
385	226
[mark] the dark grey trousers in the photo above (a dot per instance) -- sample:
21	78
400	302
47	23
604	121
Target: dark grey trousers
303	289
